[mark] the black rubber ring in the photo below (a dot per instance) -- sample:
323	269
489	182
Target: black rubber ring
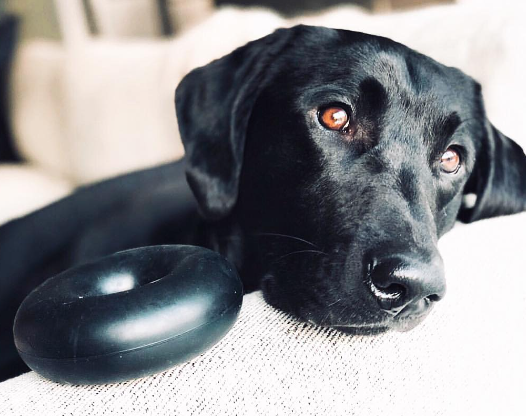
128	315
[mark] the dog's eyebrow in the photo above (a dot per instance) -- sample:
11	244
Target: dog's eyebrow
373	97
450	124
445	127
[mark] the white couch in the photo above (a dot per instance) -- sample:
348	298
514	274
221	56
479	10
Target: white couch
93	108
467	358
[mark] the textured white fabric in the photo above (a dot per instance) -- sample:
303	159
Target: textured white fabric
467	358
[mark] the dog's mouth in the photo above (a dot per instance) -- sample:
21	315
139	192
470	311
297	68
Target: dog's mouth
360	315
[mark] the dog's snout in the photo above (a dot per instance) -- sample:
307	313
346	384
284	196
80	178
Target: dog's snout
397	282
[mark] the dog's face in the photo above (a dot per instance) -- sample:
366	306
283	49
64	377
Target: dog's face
340	159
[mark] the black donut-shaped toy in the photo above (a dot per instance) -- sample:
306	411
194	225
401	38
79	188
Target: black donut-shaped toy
128	315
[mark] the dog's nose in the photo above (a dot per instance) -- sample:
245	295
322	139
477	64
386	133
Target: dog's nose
399	281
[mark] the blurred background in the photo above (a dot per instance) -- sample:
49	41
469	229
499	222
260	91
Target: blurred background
87	86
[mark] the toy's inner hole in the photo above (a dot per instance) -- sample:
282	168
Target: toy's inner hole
124	278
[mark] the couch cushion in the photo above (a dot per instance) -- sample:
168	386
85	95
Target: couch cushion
38	106
119	99
465	359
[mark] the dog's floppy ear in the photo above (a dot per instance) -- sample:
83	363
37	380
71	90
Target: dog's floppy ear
498	179
213	106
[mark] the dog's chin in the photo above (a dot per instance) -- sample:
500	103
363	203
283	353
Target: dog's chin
403	325
400	325
361	330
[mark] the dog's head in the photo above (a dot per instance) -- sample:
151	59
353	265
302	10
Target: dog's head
348	156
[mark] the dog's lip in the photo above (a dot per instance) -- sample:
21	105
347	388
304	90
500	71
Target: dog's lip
415	311
406	323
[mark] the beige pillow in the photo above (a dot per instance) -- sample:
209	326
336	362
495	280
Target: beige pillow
38	108
119	96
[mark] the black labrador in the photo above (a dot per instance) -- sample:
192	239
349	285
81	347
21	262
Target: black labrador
325	164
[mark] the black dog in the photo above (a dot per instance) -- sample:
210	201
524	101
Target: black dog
325	164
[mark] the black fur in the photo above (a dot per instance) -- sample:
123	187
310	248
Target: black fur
305	213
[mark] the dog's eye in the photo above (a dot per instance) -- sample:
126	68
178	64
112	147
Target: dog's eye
450	161
333	118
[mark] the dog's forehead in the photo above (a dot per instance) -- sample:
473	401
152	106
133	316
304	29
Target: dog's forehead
341	60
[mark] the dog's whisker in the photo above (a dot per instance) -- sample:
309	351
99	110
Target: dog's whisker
330	312
334	303
287	236
326	318
300	252
340	317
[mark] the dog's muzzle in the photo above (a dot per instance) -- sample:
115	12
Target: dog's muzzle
405	287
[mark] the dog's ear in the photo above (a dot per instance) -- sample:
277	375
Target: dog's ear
213	106
498	179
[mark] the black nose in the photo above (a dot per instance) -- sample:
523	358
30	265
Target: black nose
398	281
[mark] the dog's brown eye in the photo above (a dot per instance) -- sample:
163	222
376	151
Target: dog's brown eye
334	118
450	161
